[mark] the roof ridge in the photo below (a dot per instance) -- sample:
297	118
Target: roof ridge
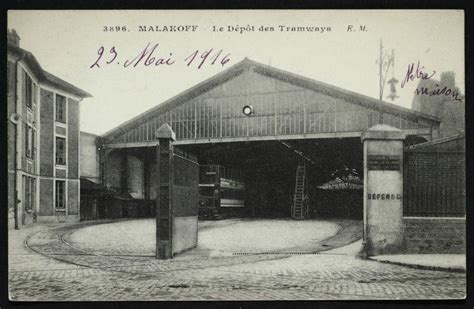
345	91
260	68
46	76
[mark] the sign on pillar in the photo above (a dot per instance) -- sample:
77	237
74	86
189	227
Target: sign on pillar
164	198
383	189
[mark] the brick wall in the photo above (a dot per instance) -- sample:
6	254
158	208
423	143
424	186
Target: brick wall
46	197
47	130
434	235
73	197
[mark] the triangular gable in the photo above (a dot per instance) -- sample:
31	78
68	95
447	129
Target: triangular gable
249	77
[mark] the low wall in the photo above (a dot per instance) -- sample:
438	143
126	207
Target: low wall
185	231
58	219
434	235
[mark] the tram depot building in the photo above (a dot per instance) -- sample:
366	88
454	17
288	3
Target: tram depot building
253	141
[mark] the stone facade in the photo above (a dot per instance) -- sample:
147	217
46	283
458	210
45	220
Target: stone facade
43	142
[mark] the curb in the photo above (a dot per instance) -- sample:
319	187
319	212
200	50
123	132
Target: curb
426	267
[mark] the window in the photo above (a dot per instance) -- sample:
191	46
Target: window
60	151
29	192
60	194
29	142
28	90
60	108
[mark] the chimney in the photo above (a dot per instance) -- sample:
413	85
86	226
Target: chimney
13	38
447	79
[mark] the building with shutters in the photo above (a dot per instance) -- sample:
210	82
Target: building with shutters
43	141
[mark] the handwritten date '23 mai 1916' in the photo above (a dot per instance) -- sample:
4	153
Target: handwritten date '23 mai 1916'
147	58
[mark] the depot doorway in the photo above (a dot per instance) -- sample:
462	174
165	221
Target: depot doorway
259	179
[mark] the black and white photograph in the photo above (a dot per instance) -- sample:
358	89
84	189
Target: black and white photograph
235	155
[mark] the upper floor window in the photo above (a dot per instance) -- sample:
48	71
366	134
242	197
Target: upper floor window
60	108
60	151
28	90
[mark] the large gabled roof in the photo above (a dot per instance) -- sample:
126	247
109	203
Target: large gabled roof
279	74
44	76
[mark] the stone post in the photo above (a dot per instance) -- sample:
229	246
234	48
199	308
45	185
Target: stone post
164	192
383	189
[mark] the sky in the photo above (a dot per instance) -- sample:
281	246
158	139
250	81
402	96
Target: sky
66	44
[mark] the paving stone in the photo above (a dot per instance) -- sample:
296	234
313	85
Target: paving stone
46	268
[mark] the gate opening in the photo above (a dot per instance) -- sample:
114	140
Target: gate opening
259	179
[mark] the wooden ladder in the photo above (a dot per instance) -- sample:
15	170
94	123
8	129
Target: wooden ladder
299	209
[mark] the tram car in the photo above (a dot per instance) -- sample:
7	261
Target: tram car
221	192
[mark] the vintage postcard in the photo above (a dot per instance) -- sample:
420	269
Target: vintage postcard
236	155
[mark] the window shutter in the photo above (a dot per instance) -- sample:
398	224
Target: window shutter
26	140
33	142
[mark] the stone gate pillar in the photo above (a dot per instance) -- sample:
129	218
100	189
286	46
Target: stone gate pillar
164	192
383	189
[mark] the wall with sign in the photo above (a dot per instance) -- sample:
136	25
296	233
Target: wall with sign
383	190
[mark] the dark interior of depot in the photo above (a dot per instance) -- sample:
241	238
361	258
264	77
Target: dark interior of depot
268	169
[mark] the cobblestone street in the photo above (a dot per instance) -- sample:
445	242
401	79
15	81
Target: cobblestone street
45	265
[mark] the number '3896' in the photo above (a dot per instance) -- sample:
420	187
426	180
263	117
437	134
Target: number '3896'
115	29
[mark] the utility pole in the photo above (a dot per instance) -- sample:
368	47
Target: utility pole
393	81
380	71
385	62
